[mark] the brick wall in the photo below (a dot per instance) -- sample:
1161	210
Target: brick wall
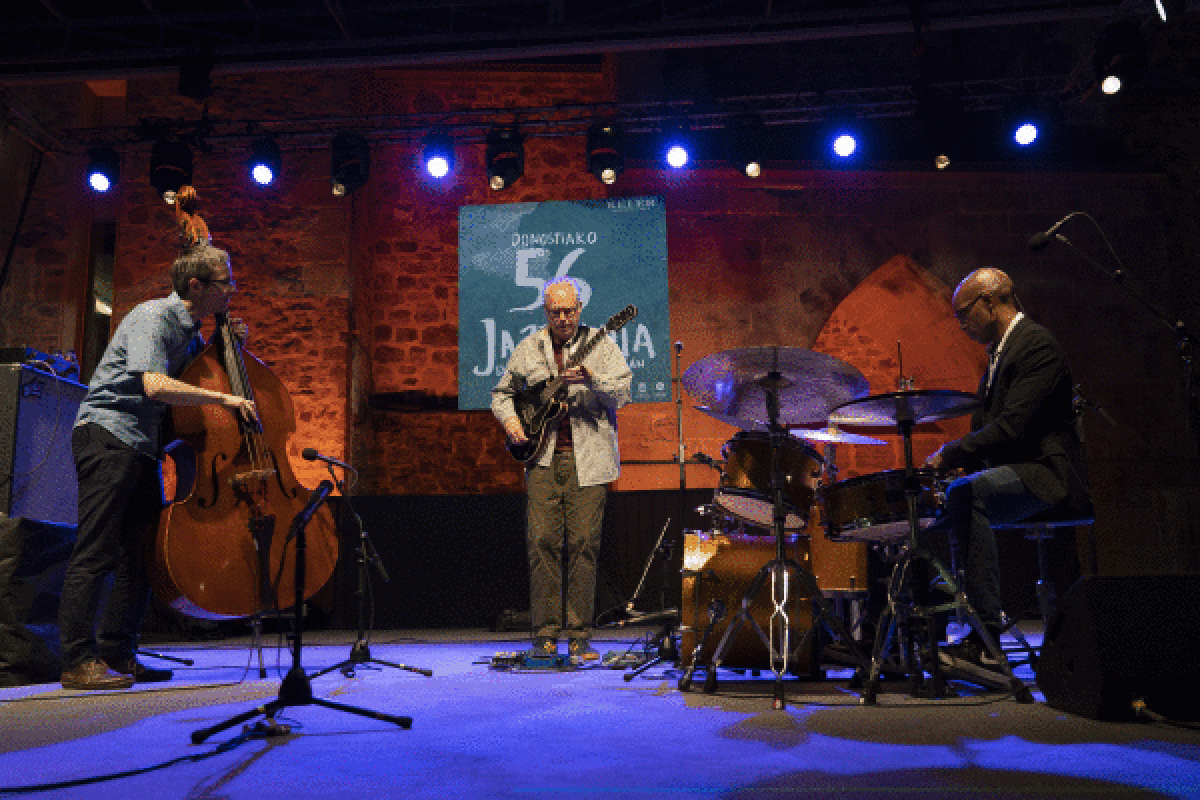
356	297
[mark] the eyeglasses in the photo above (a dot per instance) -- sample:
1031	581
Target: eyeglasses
562	312
961	313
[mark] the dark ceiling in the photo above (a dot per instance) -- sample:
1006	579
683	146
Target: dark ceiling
786	61
53	40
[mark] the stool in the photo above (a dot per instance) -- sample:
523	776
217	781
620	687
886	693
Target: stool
1039	528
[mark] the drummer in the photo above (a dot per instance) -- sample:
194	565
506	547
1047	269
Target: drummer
1023	454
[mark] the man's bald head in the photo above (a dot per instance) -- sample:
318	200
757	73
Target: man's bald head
990	281
984	304
560	292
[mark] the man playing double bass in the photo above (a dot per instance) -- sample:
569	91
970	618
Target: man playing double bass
116	446
1023	454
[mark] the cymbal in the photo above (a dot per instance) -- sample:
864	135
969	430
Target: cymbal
743	424
737	384
913	406
834	436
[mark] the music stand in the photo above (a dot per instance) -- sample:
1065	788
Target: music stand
296	690
905	409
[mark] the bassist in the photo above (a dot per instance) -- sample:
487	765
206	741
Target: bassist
566	481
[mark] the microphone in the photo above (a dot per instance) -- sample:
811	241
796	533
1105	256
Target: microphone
314	502
1040	240
311	454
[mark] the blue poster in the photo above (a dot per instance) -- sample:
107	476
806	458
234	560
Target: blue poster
616	249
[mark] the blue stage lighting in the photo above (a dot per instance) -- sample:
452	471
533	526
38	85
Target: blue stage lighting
265	161
103	168
677	156
845	145
437	154
1025	134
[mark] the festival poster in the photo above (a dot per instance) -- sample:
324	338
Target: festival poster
616	249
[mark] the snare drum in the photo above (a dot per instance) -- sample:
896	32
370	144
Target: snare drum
873	508
745	488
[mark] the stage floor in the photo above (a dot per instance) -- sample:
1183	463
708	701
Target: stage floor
481	732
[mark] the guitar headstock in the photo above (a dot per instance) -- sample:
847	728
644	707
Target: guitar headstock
621	318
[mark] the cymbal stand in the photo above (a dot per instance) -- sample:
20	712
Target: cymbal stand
896	608
296	690
360	652
778	568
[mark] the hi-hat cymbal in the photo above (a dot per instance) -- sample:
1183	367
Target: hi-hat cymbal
834	436
912	406
738	384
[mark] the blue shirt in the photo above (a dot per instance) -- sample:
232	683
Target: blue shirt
156	336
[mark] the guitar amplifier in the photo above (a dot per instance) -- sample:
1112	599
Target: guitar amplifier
37	470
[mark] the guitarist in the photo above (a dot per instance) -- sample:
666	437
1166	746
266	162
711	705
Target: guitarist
566	485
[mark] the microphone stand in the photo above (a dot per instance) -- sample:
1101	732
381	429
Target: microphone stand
360	652
296	690
1183	338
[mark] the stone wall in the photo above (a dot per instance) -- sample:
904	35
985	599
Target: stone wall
354	300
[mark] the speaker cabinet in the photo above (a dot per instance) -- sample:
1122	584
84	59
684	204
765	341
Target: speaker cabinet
1118	639
37	470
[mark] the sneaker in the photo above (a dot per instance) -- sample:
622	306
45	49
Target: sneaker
581	650
971	658
545	646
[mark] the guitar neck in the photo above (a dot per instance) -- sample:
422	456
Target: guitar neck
577	358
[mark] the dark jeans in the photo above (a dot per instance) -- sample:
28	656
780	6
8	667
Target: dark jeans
120	499
990	495
559	510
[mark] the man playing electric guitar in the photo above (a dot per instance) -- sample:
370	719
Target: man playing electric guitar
566	486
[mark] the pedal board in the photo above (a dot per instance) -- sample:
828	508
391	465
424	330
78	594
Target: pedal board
527	659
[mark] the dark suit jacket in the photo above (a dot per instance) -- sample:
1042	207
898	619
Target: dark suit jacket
1027	421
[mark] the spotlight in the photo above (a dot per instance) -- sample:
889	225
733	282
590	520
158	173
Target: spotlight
505	156
676	148
942	161
437	154
604	157
350	163
744	140
1111	84
264	162
170	167
1119	55
104	168
1025	134
844	145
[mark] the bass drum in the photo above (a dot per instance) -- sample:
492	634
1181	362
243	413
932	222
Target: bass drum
873	508
745	487
719	566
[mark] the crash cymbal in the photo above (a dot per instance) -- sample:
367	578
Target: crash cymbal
912	406
738	383
834	436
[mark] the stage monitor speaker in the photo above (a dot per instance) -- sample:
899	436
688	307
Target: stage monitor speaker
37	470
1118	639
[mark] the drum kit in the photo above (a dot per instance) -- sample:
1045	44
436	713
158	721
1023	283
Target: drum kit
774	483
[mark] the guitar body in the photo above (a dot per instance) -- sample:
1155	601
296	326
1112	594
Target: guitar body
539	408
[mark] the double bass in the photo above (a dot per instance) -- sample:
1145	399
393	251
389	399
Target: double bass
224	548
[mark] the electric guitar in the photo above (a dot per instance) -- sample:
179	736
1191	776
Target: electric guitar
542	405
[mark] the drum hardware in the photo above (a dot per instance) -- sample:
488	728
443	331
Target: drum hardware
905	409
792	387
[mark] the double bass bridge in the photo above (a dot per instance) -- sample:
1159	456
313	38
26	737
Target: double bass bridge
242	480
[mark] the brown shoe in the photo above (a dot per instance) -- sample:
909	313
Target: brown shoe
92	675
139	671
